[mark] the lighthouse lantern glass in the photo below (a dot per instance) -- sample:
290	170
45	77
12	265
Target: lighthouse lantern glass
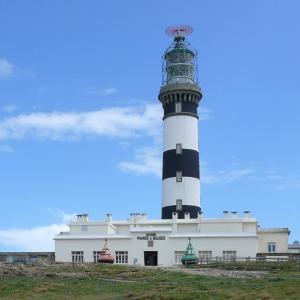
179	63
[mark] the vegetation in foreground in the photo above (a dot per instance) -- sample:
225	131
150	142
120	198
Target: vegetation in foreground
122	282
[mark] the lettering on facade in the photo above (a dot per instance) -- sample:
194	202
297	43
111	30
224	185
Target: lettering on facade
151	237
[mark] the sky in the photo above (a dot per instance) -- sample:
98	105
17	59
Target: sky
81	125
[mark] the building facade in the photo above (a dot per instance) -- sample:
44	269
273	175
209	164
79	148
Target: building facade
138	240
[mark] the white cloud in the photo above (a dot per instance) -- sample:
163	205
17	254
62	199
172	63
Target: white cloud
118	122
147	161
121	122
38	238
7	69
34	239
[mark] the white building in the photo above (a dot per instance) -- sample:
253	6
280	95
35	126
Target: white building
138	240
162	242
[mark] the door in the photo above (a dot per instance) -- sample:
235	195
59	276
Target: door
150	258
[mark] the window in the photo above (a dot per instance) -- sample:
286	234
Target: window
95	255
150	243
179	176
205	255
121	257
229	255
179	204
84	228
33	258
178	256
178	148
271	247
178	107
77	256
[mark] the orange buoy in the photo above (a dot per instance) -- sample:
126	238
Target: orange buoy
105	255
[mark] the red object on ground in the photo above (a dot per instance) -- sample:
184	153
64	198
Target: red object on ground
105	255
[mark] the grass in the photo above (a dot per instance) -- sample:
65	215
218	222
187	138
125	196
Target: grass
122	282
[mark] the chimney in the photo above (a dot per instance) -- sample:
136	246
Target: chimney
234	215
82	218
246	215
144	217
109	218
225	214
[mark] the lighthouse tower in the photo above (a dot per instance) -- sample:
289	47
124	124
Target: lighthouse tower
180	96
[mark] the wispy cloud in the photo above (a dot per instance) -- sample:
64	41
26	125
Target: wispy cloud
274	180
9	108
222	176
104	92
7	69
267	179
288	183
109	91
204	114
120	122
147	160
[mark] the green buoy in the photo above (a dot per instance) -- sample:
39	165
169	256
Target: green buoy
189	257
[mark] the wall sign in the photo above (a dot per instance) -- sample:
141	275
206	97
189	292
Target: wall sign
151	237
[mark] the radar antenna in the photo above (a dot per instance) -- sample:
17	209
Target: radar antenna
179	30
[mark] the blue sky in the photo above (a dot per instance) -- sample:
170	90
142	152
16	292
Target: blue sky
80	123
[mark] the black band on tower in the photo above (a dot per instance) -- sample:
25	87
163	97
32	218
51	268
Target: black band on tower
187	162
167	211
187	107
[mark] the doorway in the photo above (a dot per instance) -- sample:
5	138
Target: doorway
150	258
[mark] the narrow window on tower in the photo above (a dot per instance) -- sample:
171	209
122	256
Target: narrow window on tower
178	148
178	204
179	176
178	107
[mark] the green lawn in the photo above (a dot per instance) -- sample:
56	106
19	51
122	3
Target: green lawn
121	282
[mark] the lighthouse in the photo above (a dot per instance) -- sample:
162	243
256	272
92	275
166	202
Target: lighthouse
142	241
180	95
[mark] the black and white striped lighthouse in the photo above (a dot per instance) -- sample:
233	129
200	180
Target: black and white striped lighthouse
180	96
